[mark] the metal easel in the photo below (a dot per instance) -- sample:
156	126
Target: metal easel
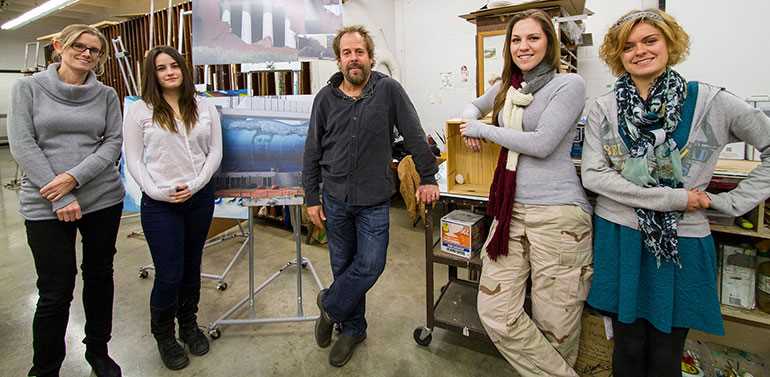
299	263
222	285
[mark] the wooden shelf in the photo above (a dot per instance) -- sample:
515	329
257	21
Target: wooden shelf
753	317
763	232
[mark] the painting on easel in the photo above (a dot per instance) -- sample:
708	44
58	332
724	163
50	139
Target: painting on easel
263	140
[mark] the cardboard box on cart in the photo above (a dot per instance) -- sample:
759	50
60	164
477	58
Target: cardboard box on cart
462	233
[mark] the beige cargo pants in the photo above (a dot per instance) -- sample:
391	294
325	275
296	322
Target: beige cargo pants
552	245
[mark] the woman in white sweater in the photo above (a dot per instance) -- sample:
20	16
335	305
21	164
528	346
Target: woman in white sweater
173	145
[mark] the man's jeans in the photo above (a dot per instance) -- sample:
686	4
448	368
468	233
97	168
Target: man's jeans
358	243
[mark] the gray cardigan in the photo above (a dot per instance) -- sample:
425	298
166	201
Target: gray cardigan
720	118
54	127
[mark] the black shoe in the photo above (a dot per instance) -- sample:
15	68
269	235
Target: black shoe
189	333
195	340
103	365
172	354
324	324
162	324
343	349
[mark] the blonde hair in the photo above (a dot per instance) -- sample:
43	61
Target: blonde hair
677	40
71	33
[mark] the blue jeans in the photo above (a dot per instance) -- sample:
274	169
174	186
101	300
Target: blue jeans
176	233
358	244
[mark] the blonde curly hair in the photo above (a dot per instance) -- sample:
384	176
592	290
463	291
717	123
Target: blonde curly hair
677	40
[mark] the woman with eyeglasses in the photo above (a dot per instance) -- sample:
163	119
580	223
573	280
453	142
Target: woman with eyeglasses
650	150
173	148
64	132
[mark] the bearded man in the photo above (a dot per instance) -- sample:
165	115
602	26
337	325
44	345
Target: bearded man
348	149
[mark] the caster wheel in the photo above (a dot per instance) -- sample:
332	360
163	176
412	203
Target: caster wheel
221	286
419	339
143	274
215	333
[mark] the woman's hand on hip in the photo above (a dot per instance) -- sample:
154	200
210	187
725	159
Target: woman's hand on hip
696	200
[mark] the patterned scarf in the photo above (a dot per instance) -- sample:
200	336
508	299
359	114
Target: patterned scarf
503	190
646	127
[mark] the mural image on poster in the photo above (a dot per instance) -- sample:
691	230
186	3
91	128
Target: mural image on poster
259	31
225	208
263	140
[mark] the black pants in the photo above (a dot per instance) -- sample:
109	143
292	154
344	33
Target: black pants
641	350
53	248
176	233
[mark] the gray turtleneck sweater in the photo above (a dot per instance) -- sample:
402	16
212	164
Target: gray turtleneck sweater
53	128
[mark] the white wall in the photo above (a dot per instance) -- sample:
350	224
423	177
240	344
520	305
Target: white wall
433	44
728	44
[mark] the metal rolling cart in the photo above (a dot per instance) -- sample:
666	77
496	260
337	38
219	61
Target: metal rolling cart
455	308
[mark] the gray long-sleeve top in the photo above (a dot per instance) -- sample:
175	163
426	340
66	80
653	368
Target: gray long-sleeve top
720	118
545	173
53	128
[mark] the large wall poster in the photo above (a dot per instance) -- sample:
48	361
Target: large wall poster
258	31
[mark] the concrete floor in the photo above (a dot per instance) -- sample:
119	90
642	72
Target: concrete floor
396	307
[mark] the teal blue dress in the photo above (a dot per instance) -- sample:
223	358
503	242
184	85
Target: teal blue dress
628	282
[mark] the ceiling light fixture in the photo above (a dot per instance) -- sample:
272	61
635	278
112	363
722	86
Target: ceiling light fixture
40	11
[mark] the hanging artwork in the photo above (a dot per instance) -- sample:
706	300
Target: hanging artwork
260	31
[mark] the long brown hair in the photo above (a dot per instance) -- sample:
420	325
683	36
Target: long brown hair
552	54
152	94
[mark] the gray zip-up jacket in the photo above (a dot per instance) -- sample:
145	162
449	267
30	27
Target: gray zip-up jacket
53	128
720	118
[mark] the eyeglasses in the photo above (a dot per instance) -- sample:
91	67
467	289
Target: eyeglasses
80	48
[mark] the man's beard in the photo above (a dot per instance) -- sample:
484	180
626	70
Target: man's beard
358	79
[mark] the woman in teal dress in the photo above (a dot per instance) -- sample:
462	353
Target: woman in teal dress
650	150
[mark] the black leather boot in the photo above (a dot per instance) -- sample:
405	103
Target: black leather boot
162	325
101	362
189	332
